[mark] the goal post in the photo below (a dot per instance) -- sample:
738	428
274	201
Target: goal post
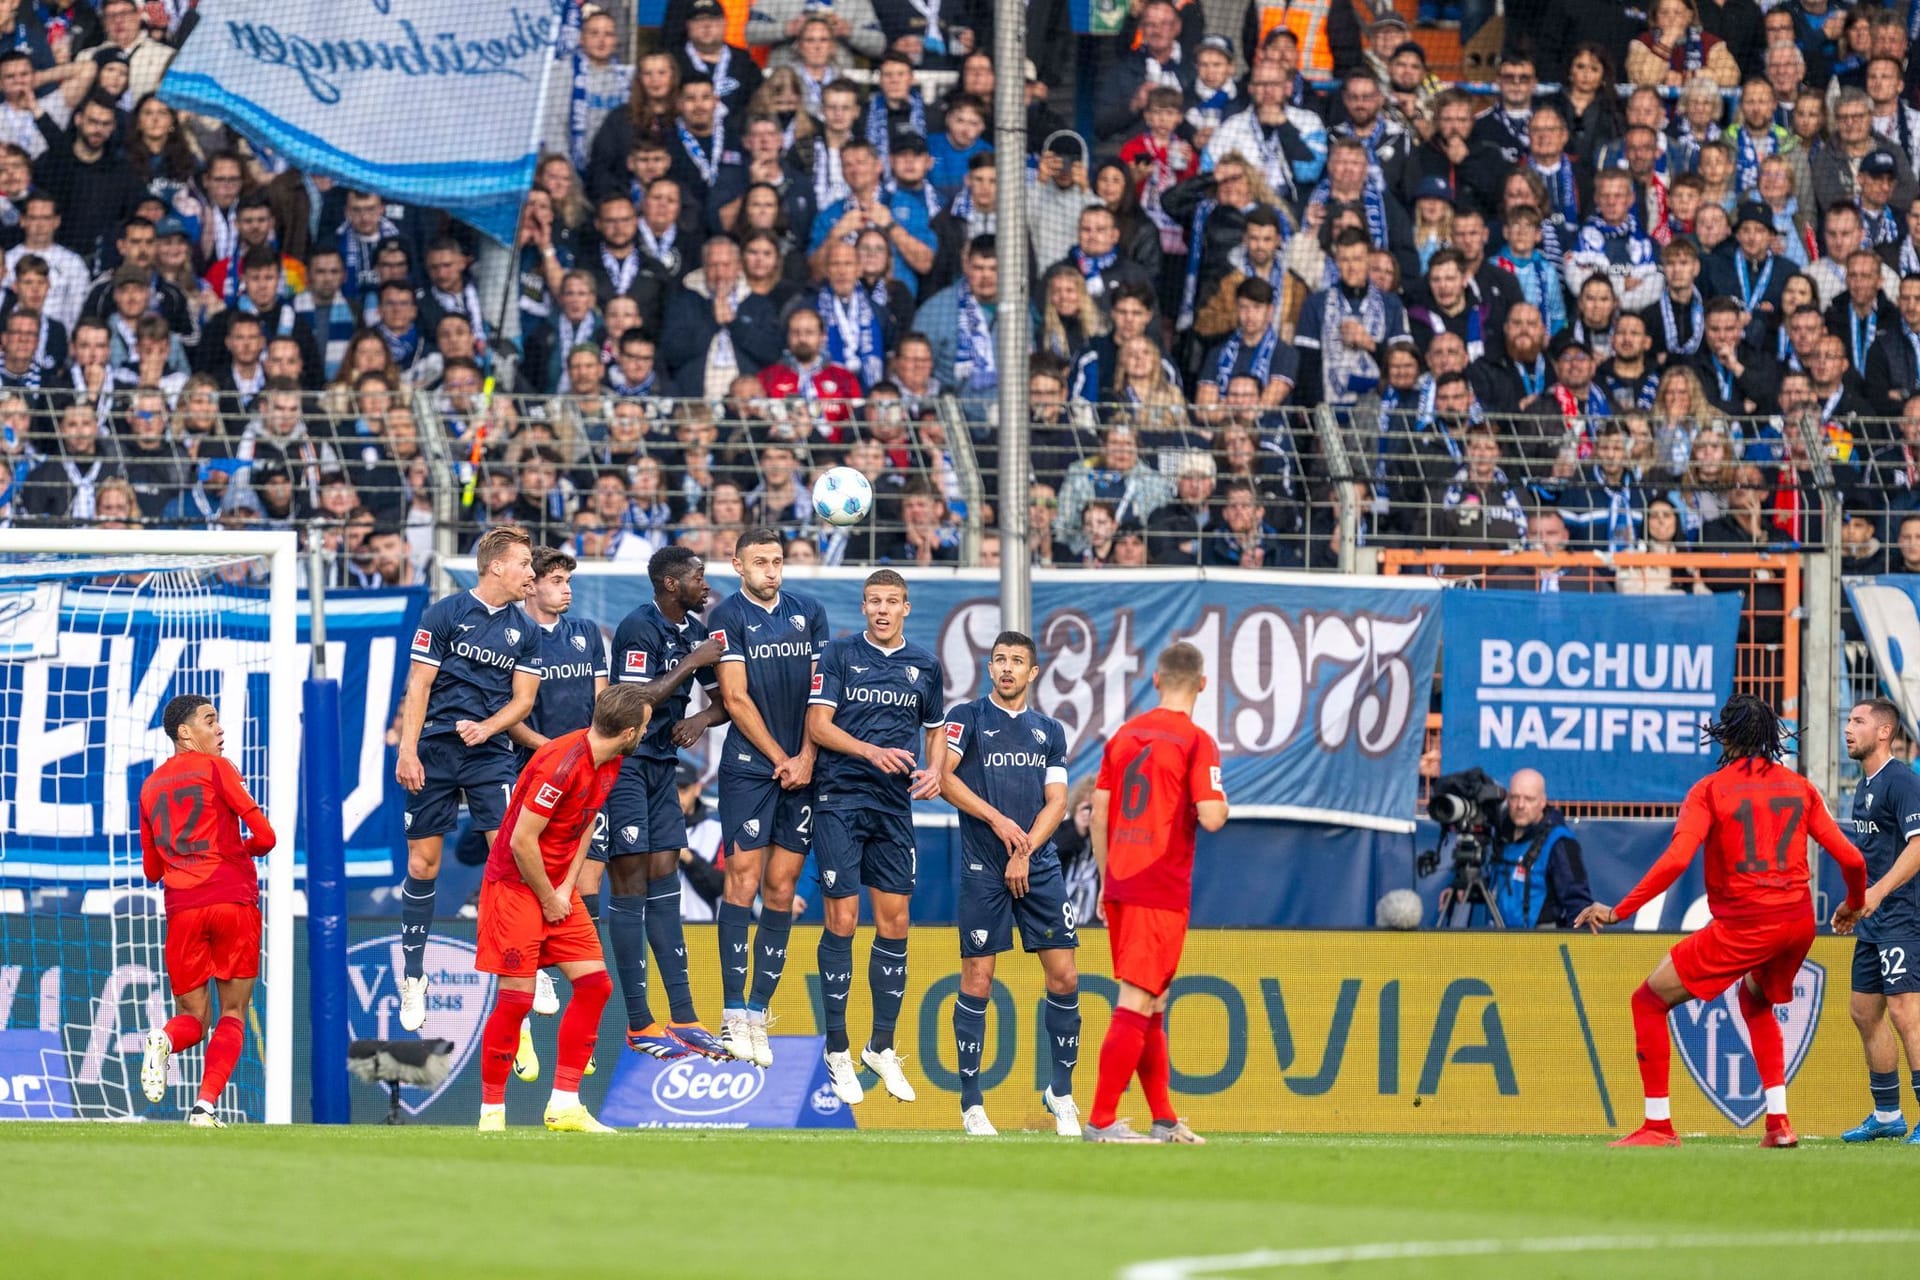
172	566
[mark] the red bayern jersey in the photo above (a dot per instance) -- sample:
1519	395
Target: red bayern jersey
1155	770
1754	816
191	808
561	785
829	391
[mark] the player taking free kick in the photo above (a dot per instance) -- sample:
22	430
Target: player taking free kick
531	915
1754	816
191	809
1166	769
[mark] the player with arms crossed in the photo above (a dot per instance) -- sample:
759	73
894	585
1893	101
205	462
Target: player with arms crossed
1886	957
872	697
771	637
573	671
1007	775
191	808
531	914
1754	815
1166	770
658	645
476	672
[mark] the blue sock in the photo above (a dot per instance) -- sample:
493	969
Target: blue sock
770	957
627	931
969	1030
887	980
592	902
1886	1090
1063	1033
670	945
835	957
1916	1089
735	960
416	920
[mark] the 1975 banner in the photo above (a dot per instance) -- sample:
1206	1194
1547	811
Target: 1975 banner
1317	686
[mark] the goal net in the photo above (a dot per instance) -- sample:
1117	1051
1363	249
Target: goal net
98	630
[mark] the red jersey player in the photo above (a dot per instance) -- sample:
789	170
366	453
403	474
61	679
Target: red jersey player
191	809
1166	770
1754	816
531	915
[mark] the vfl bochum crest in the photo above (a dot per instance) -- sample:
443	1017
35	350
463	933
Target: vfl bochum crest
1712	1037
461	995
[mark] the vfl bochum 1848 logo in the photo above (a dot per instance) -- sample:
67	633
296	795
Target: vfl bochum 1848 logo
456	1003
1712	1037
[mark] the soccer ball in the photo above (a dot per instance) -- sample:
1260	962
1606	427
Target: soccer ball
842	496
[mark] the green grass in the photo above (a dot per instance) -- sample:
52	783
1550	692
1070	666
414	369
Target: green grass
95	1200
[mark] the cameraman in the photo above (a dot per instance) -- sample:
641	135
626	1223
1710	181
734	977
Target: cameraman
1533	861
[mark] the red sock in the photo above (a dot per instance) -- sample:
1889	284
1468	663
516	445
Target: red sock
500	1040
223	1054
1155	1070
579	1027
1769	1052
184	1032
1119	1059
1652	1045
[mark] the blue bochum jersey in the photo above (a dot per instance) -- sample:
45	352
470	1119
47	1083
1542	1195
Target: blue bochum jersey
1886	814
883	699
646	646
573	654
777	646
1008	759
475	649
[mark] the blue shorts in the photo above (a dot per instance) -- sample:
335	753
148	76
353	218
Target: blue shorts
643	810
1887	968
989	911
484	775
756	812
870	847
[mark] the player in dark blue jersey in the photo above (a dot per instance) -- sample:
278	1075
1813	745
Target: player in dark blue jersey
766	778
476	673
1006	772
872	698
573	671
662	644
1886	953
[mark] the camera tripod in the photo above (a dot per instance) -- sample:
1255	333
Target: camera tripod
1469	887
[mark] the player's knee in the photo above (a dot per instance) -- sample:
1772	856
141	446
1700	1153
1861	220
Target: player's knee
842	915
662	863
1063	984
976	980
423	860
629	875
743	880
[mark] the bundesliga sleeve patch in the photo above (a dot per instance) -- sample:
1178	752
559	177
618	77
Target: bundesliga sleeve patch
721	636
1213	778
636	662
954	730
423	641
819	683
548	796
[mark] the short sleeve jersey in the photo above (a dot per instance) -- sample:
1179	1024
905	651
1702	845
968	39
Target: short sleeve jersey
646	646
1008	759
475	651
562	785
885	699
1886	814
1156	768
777	645
190	811
573	654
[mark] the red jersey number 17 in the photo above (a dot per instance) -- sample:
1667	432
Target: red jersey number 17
1787	812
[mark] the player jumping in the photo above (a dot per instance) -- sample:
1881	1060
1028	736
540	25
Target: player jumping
658	645
1886	956
1007	775
1754	815
476	672
1166	769
531	914
771	637
872	696
573	671
191	808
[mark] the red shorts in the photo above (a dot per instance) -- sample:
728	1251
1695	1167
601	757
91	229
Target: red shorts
220	940
514	940
1146	944
1721	954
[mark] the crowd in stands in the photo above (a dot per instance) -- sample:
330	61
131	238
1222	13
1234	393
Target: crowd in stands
1610	286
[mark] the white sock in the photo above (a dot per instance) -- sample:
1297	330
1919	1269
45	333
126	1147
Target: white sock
1887	1117
1660	1109
561	1099
492	1109
1777	1100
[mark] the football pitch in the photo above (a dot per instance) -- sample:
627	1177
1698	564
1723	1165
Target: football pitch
82	1200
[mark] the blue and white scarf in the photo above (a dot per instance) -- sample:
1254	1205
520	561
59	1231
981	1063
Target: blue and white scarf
357	256
1752	291
880	132
1882	228
567	45
1262	366
1349	371
1561	188
1749	151
974	358
1091	269
1862	333
854	340
1372	200
1698	313
1190	290
707	164
403	347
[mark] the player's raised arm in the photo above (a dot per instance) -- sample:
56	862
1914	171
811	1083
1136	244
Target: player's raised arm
1689	833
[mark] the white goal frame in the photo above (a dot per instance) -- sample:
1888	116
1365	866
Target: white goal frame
281	549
